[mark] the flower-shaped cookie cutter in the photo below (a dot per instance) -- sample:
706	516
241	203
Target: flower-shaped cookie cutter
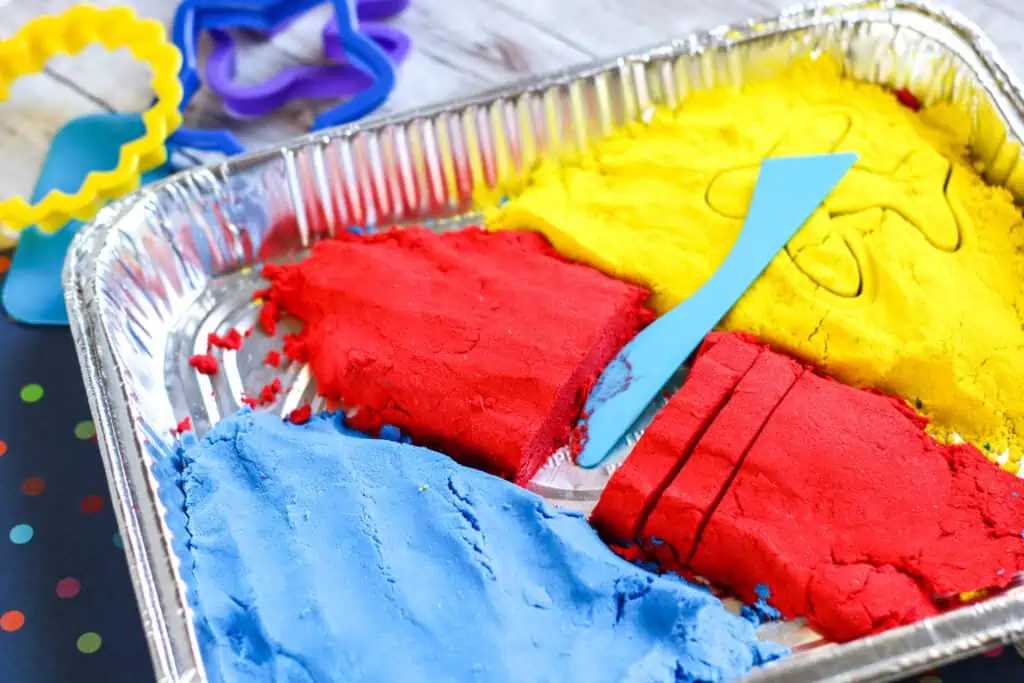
69	33
314	81
194	16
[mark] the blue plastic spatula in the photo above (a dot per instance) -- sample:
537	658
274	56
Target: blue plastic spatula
788	191
32	291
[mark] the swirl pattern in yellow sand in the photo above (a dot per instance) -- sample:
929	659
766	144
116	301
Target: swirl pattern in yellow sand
909	279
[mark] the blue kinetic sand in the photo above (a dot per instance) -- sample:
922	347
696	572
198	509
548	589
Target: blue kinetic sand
318	554
32	291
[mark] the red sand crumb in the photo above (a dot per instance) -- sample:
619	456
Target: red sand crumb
630	553
250	401
494	331
301	414
205	363
232	341
269	392
184	426
273	358
908	99
840	503
270	313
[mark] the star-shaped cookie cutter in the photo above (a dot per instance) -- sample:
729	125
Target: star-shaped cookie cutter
69	33
313	81
194	16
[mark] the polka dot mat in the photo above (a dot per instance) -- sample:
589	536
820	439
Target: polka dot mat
67	610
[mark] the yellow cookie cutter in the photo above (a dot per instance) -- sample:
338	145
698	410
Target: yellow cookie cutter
69	33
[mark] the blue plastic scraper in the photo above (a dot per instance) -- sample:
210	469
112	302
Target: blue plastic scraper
788	191
32	291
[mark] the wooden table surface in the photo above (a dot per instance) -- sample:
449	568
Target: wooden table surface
452	56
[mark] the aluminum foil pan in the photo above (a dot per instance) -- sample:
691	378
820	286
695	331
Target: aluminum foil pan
153	274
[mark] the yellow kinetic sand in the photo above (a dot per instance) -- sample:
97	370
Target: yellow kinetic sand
909	279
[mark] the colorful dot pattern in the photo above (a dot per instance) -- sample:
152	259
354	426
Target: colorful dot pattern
89	643
12	621
68	588
90	505
31	393
67	609
33	486
85	429
21	534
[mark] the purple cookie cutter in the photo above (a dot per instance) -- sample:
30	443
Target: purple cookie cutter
195	15
332	39
314	81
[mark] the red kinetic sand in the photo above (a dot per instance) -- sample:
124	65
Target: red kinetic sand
679	514
232	341
301	415
204	363
840	503
481	345
642	478
185	425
